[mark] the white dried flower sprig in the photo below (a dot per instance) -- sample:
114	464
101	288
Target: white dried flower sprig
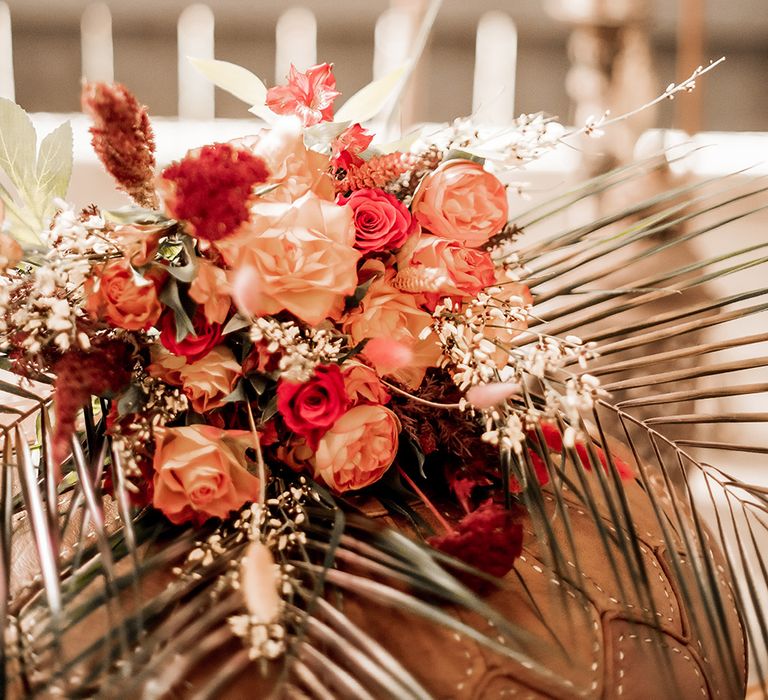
72	235
267	535
477	354
301	349
48	310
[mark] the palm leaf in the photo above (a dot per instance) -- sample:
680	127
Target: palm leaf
673	341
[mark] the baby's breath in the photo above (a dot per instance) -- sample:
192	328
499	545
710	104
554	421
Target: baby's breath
300	349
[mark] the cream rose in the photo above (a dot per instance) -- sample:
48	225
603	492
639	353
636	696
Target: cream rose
207	382
461	201
303	263
293	167
386	312
358	449
200	472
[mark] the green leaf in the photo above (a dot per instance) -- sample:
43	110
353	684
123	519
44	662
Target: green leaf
170	297
18	145
187	271
134	215
54	167
367	102
238	394
237	81
236	323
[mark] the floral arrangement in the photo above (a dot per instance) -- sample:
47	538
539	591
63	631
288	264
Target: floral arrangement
298	311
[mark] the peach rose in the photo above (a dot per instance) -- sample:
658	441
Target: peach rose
386	312
293	167
138	243
117	296
304	263
461	201
363	386
10	251
211	289
207	382
467	271
166	366
358	449
200	472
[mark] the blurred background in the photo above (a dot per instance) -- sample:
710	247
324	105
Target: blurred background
47	56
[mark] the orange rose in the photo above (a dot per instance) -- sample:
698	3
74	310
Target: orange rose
358	449
461	201
303	263
200	472
211	289
386	312
122	299
211	379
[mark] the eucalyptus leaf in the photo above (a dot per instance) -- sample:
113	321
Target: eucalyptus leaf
367	102
238	394
319	137
187	271
236	323
170	297
133	215
129	401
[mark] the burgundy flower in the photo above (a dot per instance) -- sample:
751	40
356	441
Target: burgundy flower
102	371
308	95
310	408
210	188
489	539
195	345
382	222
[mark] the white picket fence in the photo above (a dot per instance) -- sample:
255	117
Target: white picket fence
296	42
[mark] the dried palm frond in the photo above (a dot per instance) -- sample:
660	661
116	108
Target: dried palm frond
99	599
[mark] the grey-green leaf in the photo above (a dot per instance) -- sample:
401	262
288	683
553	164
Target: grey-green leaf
54	167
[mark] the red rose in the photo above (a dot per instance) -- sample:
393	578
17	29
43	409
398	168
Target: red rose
382	222
195	345
311	408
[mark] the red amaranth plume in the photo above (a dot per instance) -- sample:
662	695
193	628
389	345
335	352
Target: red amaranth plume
101	371
122	138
